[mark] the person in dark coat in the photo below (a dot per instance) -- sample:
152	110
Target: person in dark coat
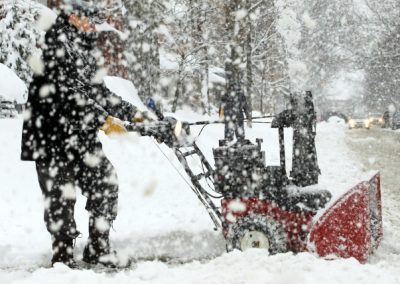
67	106
233	105
386	119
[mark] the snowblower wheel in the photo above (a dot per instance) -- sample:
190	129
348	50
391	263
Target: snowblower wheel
257	231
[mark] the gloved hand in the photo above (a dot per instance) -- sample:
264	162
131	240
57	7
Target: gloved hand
141	117
249	123
221	113
113	126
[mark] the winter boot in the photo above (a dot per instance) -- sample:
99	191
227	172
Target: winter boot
63	252
97	250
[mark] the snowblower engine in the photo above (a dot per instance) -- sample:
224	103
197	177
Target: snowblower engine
240	170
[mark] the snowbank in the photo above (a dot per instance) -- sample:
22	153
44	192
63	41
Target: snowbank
12	88
126	90
338	172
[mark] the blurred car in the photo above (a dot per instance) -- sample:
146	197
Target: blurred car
7	109
376	118
359	120
396	120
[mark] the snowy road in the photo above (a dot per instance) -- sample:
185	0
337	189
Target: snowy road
379	149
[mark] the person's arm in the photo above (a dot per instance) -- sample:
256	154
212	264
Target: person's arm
112	103
87	105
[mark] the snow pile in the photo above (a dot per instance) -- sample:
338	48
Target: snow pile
338	172
12	88
127	91
335	119
124	89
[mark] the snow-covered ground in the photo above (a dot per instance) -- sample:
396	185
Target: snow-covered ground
378	149
159	217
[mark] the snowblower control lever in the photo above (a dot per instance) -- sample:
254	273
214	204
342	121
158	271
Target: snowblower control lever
169	130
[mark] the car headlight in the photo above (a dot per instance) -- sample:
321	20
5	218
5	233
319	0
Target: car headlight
352	122
367	122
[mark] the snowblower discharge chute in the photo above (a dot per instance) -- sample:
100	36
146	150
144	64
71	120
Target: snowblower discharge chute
264	207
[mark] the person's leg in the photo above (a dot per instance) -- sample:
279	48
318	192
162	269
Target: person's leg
229	129
100	185
239	130
56	183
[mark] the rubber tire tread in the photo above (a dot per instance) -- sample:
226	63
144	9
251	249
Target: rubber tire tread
255	222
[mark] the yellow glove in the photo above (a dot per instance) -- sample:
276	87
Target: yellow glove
221	113
113	126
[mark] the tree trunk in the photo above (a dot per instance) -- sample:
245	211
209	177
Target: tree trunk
207	80
249	62
178	91
236	28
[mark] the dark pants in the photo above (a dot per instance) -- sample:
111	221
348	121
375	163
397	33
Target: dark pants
93	174
234	127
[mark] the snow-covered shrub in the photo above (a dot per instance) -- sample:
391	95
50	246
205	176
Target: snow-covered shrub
19	36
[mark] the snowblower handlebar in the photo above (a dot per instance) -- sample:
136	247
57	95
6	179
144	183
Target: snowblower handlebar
221	121
170	131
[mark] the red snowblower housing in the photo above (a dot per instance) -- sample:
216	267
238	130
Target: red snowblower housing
350	227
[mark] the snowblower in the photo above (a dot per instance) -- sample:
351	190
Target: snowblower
263	206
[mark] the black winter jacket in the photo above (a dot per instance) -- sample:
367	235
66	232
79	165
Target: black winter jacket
66	106
233	104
